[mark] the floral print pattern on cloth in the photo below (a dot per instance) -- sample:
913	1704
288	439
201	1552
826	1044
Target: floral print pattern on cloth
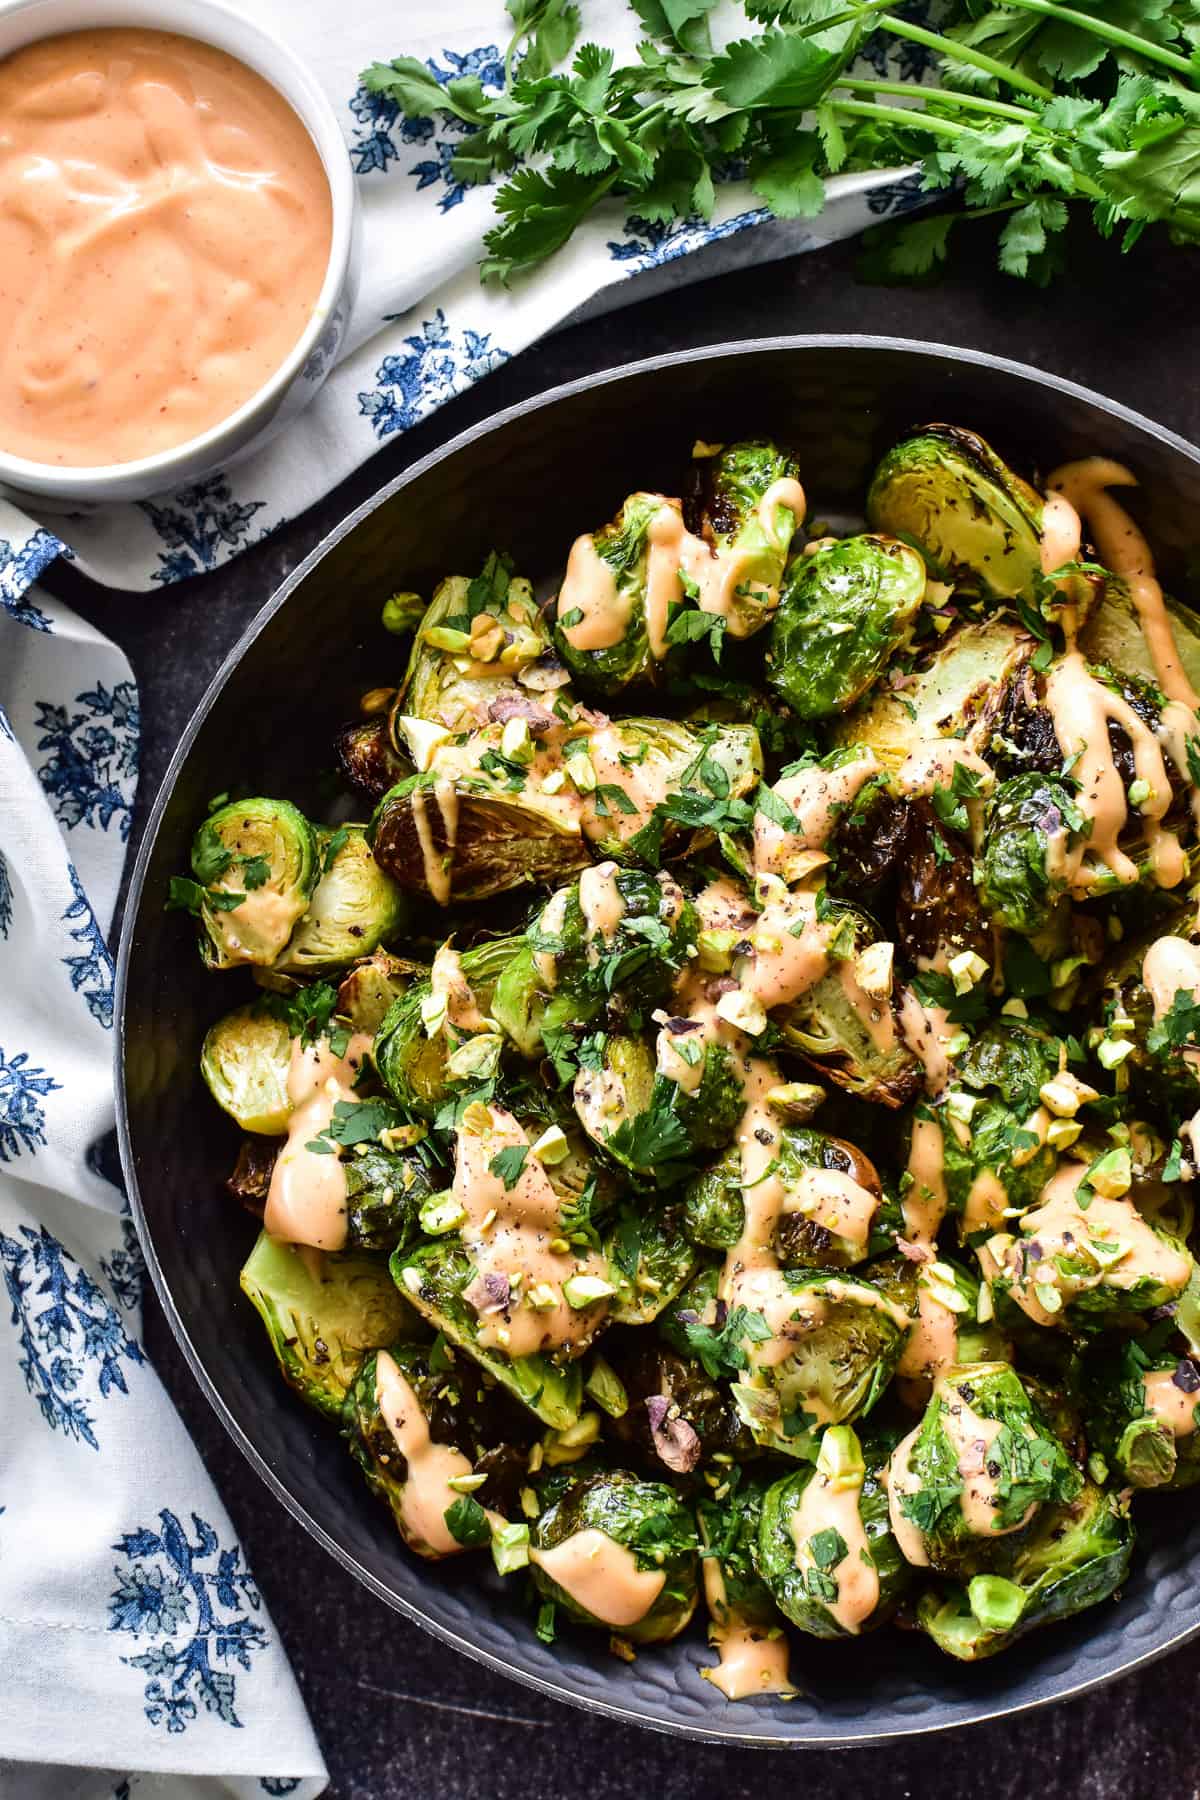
436	363
91	1448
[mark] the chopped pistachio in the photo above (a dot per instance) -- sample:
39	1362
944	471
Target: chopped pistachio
510	1547
515	741
967	970
445	637
402	613
1139	792
529	1501
1063	1133
1111	1052
466	1484
1112	1174
433	1013
580	1291
552	1147
554	782
412	1279
376	700
960	1105
873	968
569	1445
1015	1009
716	950
542	1297
742	1010
476	1119
607	1389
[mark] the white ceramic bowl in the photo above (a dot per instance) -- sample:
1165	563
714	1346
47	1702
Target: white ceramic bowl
302	372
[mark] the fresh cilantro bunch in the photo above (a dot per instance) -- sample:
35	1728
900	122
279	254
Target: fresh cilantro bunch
1035	107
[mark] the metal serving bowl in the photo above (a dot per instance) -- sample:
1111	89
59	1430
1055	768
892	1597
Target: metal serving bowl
528	481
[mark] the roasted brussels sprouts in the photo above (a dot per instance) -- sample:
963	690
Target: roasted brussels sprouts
469	836
368	758
322	1325
245	1060
429	1435
1076	1554
255	863
975	522
649	1259
620	1554
481	650
845	610
1113	635
1030	820
1142	1413
651	1124
730	1533
607	646
848	1337
826	1549
975	1472
828	1185
385	1190
353	908
997	1149
849	1036
367	991
671	777
678	1417
749	501
432	1277
431	1041
1081	1260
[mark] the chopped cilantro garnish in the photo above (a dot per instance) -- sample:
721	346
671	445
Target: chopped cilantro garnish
508	1163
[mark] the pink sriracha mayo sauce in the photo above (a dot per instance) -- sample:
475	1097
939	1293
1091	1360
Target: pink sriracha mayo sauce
165	226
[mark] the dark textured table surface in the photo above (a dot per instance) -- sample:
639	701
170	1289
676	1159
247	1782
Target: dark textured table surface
398	1714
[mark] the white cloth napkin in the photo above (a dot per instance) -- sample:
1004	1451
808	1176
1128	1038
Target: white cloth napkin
136	1656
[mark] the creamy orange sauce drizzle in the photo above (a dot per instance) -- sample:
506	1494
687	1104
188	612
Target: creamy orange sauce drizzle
602	1576
425	1493
835	1201
971	1437
1123	549
986	1201
261	925
1061	1227
833	1505
554	915
508	1233
753	1659
932	1344
925	1204
1061	533
165	226
1170	1405
902	1480
591	590
601	904
447	981
927	1032
306	1201
1170	966
816	796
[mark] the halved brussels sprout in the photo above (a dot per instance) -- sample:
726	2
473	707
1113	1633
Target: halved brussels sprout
677	1417
619	1554
245	1059
845	610
669	776
1080	1260
385	1190
649	1259
432	1278
976	1472
997	1158
619	553
826	1549
1142	1414
976	523
482	648
730	1531
256	861
848	1337
850	1039
617	934
1076	1555
715	1214
352	909
961	679
1113	635
471	1416
733	490
1029	821
466	837
322	1325
370	987
367	757
649	1124
415	1044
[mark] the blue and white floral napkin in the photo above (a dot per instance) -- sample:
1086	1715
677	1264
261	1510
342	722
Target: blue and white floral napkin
136	1656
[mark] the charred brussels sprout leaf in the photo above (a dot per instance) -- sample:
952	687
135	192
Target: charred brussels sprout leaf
1076	1555
1027	818
714	1214
826	1549
976	523
255	864
844	612
648	1521
978	1470
432	1278
321	1326
353	908
245	1060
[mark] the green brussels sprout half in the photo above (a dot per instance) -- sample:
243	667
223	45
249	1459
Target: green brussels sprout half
826	1549
645	1123
245	1060
1003	1069
478	646
624	546
461	1412
650	1260
730	1532
827	1028
1112	634
958	680
715	1215
367	991
1026	819
615	931
471	836
845	610
648	1523
353	908
1141	1414
432	1277
673	776
384	1193
696	1305
845	1356
733	485
1080	1261
976	523
969	1481
322	1325
1076	1555
412	1059
256	862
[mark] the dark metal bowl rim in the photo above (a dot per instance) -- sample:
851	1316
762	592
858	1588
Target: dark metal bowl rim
742	1734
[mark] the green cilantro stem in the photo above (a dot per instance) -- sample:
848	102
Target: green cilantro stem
903	117
944	96
932	40
1100	27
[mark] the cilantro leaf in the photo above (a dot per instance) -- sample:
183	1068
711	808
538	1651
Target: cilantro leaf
722	1349
1178	1028
467	1522
508	1163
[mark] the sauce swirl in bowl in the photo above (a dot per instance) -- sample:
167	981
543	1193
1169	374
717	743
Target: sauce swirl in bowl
165	231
